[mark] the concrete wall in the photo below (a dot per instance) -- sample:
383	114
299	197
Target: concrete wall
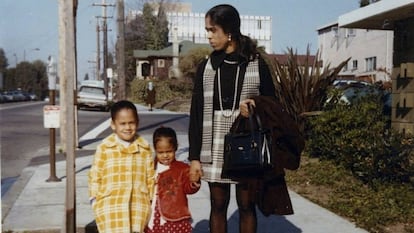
403	77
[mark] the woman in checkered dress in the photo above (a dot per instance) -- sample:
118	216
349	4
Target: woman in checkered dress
223	84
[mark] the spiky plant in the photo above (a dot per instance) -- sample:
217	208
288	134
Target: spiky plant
302	87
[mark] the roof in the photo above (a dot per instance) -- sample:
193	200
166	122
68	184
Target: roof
378	15
184	47
283	58
333	24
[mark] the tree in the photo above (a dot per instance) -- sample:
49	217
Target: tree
188	63
146	31
30	77
302	88
156	27
160	31
3	61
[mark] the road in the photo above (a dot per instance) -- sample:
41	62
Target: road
23	136
24	139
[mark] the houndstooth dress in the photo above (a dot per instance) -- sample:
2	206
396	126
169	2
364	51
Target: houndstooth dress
217	123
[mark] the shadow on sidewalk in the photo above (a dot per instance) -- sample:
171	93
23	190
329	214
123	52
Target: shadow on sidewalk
273	223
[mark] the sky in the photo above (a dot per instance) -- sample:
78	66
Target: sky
29	28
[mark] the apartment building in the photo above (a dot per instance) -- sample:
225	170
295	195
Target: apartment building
370	51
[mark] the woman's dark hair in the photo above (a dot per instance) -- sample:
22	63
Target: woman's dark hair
228	18
165	132
123	104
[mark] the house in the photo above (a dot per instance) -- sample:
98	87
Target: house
163	63
398	16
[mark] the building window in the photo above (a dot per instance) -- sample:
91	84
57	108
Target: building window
259	24
335	31
371	63
161	63
350	32
355	64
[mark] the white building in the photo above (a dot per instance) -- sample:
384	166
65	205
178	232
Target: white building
371	51
190	26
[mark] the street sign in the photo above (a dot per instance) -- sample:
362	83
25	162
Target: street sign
51	116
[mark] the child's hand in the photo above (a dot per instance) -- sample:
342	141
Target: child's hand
195	184
195	171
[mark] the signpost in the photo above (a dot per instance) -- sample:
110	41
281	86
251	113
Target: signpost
51	115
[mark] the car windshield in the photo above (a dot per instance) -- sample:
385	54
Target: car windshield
93	90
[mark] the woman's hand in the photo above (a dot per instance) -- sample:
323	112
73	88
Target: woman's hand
244	108
195	171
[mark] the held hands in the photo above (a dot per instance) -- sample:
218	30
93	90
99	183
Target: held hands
195	171
244	108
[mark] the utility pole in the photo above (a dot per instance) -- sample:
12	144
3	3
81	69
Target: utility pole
98	50
105	42
67	71
120	53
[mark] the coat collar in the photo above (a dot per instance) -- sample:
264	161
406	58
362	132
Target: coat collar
139	142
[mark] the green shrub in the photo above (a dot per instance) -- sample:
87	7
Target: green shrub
166	90
356	137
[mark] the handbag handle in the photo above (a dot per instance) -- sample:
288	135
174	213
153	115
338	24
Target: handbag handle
257	118
236	127
265	147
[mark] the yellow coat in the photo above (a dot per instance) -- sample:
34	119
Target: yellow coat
122	180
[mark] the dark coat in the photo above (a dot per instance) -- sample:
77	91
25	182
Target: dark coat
287	145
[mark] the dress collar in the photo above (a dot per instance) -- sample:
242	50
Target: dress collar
218	57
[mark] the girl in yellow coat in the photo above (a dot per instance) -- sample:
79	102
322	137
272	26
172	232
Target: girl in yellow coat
121	178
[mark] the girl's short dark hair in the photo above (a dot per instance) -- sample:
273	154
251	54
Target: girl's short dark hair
165	132
123	104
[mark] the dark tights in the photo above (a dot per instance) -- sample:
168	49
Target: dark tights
220	198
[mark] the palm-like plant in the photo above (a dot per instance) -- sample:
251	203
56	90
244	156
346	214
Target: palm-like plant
302	87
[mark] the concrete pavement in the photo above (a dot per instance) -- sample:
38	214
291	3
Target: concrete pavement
34	205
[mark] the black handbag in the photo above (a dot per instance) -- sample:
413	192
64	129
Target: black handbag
247	149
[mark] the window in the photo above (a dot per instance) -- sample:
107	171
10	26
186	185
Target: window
335	31
371	63
350	32
161	63
259	24
355	64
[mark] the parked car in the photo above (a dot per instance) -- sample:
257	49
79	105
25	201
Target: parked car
33	96
349	91
2	98
8	96
91	94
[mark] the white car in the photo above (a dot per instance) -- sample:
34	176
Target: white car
92	96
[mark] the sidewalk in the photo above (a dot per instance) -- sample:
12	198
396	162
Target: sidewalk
40	205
